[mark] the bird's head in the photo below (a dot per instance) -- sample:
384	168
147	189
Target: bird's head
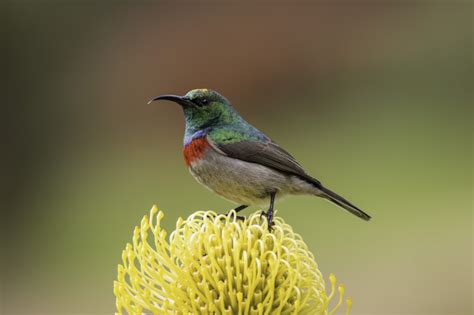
203	108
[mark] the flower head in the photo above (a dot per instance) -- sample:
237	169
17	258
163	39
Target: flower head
220	264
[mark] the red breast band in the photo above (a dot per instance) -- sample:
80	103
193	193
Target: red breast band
195	150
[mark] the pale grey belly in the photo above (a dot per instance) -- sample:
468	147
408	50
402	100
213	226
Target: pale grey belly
243	182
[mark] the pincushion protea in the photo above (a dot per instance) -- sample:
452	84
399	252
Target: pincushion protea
217	264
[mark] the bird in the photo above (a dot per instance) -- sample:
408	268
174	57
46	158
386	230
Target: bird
237	161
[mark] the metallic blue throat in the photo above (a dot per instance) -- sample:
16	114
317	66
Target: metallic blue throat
188	138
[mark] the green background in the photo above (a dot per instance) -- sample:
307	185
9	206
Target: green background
373	98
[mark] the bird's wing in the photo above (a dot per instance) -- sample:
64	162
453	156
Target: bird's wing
266	153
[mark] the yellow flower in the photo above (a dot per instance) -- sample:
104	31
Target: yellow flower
217	264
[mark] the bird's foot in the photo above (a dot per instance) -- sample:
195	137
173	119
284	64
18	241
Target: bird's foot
238	217
269	216
270	219
270	226
237	210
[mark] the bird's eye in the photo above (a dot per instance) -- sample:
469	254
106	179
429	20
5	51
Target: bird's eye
201	101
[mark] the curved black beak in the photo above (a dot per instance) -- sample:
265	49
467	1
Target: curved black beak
181	100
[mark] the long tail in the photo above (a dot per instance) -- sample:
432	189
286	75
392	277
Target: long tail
343	203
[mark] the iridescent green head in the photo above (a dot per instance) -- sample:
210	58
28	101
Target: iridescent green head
203	108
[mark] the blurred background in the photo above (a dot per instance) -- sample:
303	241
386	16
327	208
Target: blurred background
374	99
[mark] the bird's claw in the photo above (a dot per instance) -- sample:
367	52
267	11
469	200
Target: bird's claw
270	222
270	226
238	217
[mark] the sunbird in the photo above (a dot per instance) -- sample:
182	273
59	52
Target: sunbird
237	161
